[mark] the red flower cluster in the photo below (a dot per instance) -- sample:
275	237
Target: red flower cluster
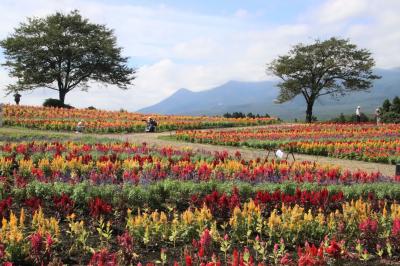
64	203
368	226
99	207
219	204
5	204
34	203
41	248
396	228
125	243
334	249
319	199
311	255
103	258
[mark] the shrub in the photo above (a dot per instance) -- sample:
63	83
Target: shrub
56	103
391	117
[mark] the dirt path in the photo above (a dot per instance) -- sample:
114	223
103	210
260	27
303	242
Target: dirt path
153	139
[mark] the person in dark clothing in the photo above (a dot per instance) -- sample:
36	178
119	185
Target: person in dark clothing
17	98
151	125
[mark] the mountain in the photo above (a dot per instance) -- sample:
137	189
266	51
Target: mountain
258	97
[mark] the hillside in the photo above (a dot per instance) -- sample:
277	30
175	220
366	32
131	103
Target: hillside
258	97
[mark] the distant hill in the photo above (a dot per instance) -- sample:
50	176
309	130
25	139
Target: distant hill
258	97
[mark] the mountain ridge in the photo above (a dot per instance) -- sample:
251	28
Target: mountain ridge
258	97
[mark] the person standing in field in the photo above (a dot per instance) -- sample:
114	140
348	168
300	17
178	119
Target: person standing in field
378	116
358	114
17	98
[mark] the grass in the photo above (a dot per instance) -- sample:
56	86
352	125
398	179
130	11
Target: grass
23	134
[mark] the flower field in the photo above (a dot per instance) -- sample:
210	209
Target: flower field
366	142
98	121
124	204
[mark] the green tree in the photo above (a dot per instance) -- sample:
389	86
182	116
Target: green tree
62	52
396	105
335	67
386	106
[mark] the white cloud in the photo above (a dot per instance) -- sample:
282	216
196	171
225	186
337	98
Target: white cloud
334	11
197	51
241	13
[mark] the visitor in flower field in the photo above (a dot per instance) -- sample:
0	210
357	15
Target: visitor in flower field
80	127
151	124
358	114
378	115
17	98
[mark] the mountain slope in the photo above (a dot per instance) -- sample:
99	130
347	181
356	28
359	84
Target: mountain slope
258	97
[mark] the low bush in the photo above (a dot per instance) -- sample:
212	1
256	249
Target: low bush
56	103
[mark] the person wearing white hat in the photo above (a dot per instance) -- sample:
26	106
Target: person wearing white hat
358	114
378	116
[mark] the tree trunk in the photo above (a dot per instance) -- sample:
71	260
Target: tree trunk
309	112
62	94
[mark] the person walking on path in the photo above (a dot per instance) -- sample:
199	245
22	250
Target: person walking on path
378	116
358	114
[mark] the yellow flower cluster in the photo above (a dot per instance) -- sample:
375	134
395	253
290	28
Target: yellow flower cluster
45	225
12	231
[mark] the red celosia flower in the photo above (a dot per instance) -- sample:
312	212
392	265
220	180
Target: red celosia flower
64	203
368	226
286	259
201	252
2	253
49	242
235	260
36	243
103	258
99	207
205	239
188	260
5	204
333	249
396	228
33	202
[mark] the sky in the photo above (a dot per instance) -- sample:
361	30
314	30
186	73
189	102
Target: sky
202	44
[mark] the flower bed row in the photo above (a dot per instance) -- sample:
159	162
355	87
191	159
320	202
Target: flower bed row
117	163
98	121
122	204
365	142
249	235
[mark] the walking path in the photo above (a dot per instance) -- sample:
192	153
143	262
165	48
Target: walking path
152	139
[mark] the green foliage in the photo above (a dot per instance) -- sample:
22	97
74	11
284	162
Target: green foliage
335	67
351	118
167	193
391	117
391	111
242	115
386	106
63	52
56	103
396	105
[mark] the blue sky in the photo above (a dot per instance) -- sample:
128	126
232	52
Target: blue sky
202	44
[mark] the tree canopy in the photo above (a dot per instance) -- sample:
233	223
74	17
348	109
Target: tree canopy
334	66
62	52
